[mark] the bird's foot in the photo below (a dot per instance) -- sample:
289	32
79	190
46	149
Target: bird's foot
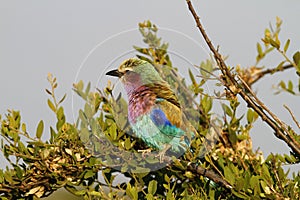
145	152
162	153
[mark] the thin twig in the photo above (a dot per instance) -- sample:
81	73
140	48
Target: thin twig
275	171
231	82
210	175
289	139
287	58
261	74
292	114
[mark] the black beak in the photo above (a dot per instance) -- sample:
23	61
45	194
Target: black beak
115	72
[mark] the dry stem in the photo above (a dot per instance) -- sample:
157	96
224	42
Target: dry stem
237	86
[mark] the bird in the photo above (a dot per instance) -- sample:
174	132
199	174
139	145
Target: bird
154	111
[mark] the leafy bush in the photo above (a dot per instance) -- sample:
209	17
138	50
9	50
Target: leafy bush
76	155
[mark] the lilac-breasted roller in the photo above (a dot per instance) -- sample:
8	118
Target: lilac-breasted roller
154	111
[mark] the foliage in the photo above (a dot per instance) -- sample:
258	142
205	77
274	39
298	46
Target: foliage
76	154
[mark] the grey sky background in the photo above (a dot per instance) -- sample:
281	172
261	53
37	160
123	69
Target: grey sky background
38	37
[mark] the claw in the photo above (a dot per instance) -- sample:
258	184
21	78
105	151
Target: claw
162	153
145	152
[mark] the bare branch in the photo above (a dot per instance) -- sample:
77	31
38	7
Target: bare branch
231	82
210	175
287	136
261	74
293	116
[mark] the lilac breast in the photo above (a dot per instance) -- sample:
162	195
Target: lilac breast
141	102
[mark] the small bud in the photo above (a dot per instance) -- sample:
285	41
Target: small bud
189	174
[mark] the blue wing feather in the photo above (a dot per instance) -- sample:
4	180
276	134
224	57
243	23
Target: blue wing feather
164	125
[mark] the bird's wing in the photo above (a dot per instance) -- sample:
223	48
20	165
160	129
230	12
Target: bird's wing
166	112
163	91
164	124
167	102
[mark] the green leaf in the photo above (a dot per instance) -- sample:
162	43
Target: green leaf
250	116
232	137
1	176
152	187
51	105
39	130
127	144
274	43
113	131
8	176
259	50
87	89
286	46
88	111
144	58
266	174
142	50
53	135
167	179
206	68
230	177
240	183
33	191
279	66
207	103
23	127
240	195
84	135
15	136
21	146
227	110
89	174
149	197
80	192
62	99
269	50
220	162
46	153
282	85
265	187
79	85
290	85
131	192
19	171
290	159
60	113
192	78
61	119
281	174
296	58
140	171
212	194
48	91
254	183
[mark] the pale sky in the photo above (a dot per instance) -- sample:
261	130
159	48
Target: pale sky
38	37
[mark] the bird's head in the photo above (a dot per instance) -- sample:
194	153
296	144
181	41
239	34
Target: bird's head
135	72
